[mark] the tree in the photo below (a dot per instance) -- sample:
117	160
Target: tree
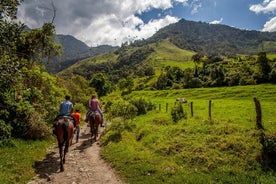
21	80
126	83
197	58
264	66
101	84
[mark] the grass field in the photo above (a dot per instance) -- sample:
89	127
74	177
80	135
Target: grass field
17	162
153	149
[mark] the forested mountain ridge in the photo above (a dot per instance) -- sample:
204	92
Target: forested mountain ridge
73	51
214	39
199	37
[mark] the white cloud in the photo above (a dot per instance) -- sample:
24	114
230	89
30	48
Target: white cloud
267	7
217	21
184	2
111	32
195	5
98	22
270	25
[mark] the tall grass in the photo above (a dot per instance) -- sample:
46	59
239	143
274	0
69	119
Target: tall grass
17	162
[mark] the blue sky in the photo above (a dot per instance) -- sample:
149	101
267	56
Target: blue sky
234	13
113	22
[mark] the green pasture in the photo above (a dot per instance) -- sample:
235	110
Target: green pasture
228	104
167	54
223	149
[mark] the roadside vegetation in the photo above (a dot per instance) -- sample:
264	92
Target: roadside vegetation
152	148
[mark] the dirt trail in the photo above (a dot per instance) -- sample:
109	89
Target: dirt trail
83	165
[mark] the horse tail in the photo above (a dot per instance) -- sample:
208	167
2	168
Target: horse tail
65	131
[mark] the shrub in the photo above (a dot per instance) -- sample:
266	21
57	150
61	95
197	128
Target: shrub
269	152
37	129
113	133
5	133
178	113
142	105
124	109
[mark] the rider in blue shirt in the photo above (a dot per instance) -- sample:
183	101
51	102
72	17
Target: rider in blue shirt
66	107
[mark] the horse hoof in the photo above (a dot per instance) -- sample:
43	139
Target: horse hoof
61	169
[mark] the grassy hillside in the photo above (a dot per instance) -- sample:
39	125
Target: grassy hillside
152	148
165	54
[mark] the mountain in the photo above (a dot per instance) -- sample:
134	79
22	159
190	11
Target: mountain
174	47
73	51
214	39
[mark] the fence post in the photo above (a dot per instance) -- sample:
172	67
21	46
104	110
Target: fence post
192	110
210	109
258	114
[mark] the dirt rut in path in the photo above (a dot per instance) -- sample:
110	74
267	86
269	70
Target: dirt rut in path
83	165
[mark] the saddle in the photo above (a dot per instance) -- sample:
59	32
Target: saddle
65	117
93	113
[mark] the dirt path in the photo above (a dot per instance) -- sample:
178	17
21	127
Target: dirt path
83	165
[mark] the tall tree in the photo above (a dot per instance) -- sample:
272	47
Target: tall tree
101	84
264	66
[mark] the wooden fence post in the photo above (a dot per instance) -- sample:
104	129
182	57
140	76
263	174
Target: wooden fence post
210	109
192	110
259	124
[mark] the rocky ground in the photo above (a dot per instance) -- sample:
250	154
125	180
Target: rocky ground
83	165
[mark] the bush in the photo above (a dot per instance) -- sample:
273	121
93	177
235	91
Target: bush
37	129
178	113
269	152
124	109
5	133
142	105
113	133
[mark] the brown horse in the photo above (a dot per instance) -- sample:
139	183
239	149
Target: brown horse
64	130
94	119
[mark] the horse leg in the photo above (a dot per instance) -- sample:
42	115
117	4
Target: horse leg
65	150
95	132
78	133
91	132
61	157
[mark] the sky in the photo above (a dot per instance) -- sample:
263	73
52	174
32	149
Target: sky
113	22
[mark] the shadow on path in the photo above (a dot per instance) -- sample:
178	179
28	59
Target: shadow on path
47	166
51	163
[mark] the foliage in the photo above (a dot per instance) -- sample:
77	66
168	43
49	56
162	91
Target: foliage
268	158
123	109
114	132
29	96
142	105
178	113
217	39
264	66
126	83
101	84
5	134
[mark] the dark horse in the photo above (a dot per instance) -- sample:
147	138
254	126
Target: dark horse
94	119
64	130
